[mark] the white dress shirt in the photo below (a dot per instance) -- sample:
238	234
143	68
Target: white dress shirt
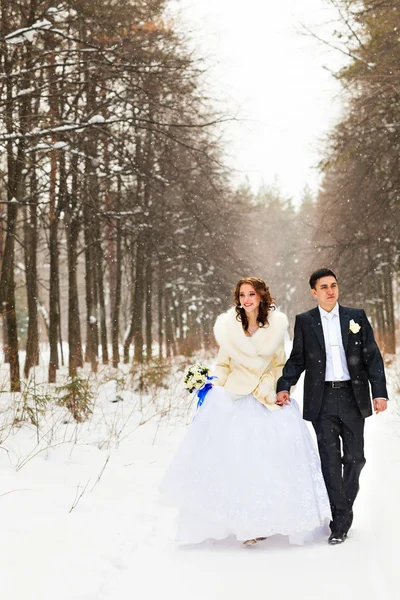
336	363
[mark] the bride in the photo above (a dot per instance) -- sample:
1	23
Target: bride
247	467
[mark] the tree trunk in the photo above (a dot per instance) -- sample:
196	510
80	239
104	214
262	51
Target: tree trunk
90	217
129	337
90	202
8	298
75	359
30	237
15	186
3	316
91	351
137	313
54	288
118	283
54	296
148	309
170	346
389	334
177	319
160	312
102	303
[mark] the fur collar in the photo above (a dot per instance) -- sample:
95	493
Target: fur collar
250	352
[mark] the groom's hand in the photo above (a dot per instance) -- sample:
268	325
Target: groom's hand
380	404
282	398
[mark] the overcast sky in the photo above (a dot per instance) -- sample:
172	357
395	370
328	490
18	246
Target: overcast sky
265	67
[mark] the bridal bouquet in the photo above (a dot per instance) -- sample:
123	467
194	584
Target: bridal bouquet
198	379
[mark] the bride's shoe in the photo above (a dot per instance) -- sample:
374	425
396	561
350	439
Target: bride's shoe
254	541
250	542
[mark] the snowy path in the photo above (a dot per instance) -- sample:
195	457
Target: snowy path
117	543
364	567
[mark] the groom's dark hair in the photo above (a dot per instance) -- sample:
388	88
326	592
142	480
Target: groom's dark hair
318	274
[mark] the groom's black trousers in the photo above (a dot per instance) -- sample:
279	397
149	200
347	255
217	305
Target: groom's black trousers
340	434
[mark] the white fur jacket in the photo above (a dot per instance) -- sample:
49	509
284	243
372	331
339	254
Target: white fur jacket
250	365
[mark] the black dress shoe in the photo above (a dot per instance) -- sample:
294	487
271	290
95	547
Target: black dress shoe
337	537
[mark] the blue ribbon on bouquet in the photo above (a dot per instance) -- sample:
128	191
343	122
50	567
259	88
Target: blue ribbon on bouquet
203	391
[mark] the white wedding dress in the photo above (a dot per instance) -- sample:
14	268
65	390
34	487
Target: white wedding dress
246	471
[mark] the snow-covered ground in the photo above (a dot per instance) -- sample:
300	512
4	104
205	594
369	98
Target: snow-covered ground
80	518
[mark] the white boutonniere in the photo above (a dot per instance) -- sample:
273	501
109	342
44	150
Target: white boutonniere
354	327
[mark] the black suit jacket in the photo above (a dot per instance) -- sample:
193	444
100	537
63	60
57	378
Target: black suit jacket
364	360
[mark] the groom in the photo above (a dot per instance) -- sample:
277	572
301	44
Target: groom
336	348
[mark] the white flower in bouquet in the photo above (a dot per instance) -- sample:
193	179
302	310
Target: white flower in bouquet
196	377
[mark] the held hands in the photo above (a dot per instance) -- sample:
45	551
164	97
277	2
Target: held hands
380	404
282	398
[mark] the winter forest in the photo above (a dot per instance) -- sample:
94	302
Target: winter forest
123	230
118	217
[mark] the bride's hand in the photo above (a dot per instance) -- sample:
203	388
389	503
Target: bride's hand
282	398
